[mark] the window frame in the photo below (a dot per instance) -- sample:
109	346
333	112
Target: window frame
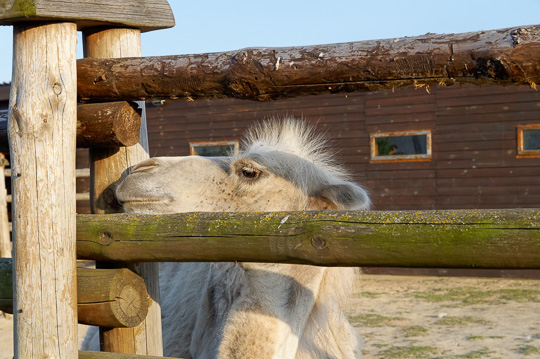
193	145
521	152
374	157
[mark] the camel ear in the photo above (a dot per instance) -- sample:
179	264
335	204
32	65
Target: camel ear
341	196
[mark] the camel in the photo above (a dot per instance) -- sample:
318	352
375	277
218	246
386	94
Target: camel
252	310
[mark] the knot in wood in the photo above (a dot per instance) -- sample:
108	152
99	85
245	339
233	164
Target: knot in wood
57	88
318	243
106	238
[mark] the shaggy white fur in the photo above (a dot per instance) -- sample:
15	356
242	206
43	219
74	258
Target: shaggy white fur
252	310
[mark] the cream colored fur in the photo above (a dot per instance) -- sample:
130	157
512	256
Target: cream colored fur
252	310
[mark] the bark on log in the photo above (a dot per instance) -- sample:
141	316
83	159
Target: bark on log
110	124
500	57
113	124
115	298
107	165
425	239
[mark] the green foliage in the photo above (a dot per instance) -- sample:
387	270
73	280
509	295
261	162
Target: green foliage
415	331
473	295
383	146
416	352
528	350
452	321
372	320
477	354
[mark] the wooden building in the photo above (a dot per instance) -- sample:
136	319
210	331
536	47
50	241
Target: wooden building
441	147
467	138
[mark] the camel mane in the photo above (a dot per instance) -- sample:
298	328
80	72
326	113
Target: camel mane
280	144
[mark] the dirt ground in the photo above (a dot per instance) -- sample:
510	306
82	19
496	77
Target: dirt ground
432	317
448	317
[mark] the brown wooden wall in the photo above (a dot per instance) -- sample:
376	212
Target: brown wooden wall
474	162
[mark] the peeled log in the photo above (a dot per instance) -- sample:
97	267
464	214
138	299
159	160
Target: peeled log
508	56
111	124
105	355
114	298
504	239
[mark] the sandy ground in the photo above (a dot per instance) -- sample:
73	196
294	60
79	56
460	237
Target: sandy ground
435	317
432	317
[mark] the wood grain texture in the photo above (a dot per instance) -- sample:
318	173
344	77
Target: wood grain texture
106	167
424	239
102	355
5	232
502	57
42	128
106	297
110	124
145	15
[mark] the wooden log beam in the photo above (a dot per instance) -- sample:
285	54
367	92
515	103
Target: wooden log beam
500	57
452	239
104	355
108	165
5	225
145	15
42	129
112	124
99	125
115	298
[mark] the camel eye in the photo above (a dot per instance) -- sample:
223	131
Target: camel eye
250	173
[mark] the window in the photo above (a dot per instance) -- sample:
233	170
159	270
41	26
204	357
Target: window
401	146
213	149
528	140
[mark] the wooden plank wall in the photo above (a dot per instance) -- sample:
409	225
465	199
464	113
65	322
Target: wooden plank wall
474	162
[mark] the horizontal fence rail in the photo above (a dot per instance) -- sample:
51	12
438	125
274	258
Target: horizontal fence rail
104	355
501	57
114	298
453	239
111	124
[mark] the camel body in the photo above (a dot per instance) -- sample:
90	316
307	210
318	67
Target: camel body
251	310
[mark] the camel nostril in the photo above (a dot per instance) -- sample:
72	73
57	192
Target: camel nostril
146	166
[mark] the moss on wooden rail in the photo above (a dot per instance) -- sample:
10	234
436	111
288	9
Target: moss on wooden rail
454	239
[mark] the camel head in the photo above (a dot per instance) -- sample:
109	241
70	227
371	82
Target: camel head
283	166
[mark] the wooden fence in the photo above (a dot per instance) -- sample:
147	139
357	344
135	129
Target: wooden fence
42	128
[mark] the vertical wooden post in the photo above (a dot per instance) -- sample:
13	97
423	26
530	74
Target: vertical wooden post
106	167
42	130
5	237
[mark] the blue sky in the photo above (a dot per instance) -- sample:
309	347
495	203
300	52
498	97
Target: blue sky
213	26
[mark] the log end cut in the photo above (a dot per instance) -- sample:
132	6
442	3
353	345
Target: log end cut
111	298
